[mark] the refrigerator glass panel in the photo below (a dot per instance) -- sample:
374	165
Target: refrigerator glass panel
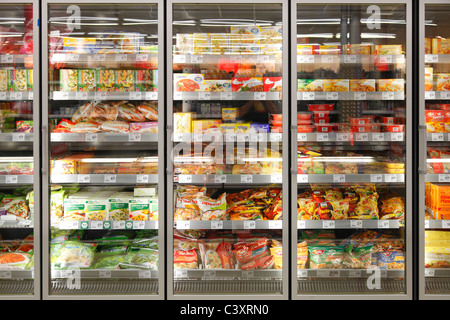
17	218
437	122
103	120
227	149
350	121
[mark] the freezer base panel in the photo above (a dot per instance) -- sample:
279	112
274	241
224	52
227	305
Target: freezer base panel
103	287
349	286
17	287
234	287
437	285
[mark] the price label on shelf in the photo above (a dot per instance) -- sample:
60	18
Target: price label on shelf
246	178
81	95
100	95
385	58
138	225
390	178
342	136
321	137
332	96
230	137
360	96
354	273
3	95
376	178
142	178
328	224
84	178
302	137
121	57
110	178
305	59
5	274
350	58
276	178
18	136
183	225
431	58
339	178
308	96
444	178
204	95
141	57
91	137
383	224
362	136
275	137
397	136
236	59
327	59
445	95
259	96
445	224
196	59
134	137
135	95
60	95
96	225
430	95
177	95
151	95
7	59
16	95
427	224
356	224
226	96
179	58
145	274
249	224
378	136
69	225
30	95
302	178
387	96
220	178
72	57
104	274
118	224
437	136
99	57
185	178
429	272
262	59
215	225
11	179
301	224
275	224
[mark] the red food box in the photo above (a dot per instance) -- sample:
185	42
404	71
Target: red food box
305	128
320	107
273	84
326	127
303	116
359	121
394	127
323	120
388	120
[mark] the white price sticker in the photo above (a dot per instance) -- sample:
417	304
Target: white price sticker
177	95
360	96
444	178
342	137
305	59
259	96
84	178
383	224
179	58
397	136
141	57
220	178
387	96
390	178
100	96
246	178
19	136
350	59
134	137
30	95
204	95
99	57
121	57
91	137
81	95
7	59
445	224
151	95
145	274
363	136
110	178
385	58
3	96
60	95
301	224
96	225
183	225
135	95
138	225
332	95
118	224
185	178
73	57
276	178
431	58
437	136
11	179
236	59
378	136
105	274
327	59
430	95
15	95
356	224
302	178
249	224
354	273
226	96
276	137
142	178
196	59
309	96
262	59
216	225
230	137
329	224
275	224
321	137
339	178
376	178
302	137
445	95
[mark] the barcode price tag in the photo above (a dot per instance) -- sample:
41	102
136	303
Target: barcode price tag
246	178
301	224
151	95
30	95
305	59
327	59
177	95
11	179
376	178
15	95
437	136
110	178
356	224
387	96
397	136
309	96
275	137
99	57
378	136
226	96
81	95
339	178
7	59
259	96
134	137
204	95
354	273
429	272
445	95
61	95
383	224
427	224
430	95
216	225
145	274
69	225
444	178
321	137
91	137
329	224
73	57
183	225
180	273
138	225
364	136
332	96
390	178
445	224
118	224
262	59
349	58
302	137
220	178
84	178
360	96
385	58
19	136
431	58
141	57
135	95
196	59
142	178
100	96
276	178
121	57
249	224
302	178
230	137
3	96
179	58
275	224
342	137
185	178
96	225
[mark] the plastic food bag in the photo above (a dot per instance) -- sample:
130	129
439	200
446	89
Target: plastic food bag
326	257
74	254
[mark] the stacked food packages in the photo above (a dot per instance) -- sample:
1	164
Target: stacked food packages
366	249
437	200
251	39
356	49
9	167
116	249
436	81
15	117
436	249
437	117
193	203
17	254
244	250
314	160
437	45
320	118
350	85
357	201
17	205
103	204
118	117
16	80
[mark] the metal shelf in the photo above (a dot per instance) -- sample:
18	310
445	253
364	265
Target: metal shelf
351	137
219	274
227	224
104	95
363	96
104	274
104	137
16	223
226	95
437	224
14	58
351	58
349	273
16	95
17	274
348	224
232	58
437	95
12	180
106	57
229	178
356	178
110	179
107	225
431	272
438	136
227	137
437	58
16	137
442	177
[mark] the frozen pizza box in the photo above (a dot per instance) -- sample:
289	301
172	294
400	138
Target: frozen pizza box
395	85
68	79
247	84
273	84
388	49
86	80
188	82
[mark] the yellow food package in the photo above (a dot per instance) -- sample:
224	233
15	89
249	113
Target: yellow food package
427	46
442	81
339	85
388	49
440	46
277	252
428	79
359	49
391	85
364	85
206	126
182	122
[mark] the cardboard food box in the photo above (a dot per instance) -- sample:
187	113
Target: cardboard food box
310	85
358	49
30	80
442	81
105	80
139	208
220	43
124	80
188	82
68	79
118	206
86	80
4	75
227	128
428	49
391	85
206	126
97	209
434	120
201	43
329	50
303	49
336	85
273	84
429	79
364	85
216	85
74	209
247	84
143	80
246	38
440	46
229	114
184	43
271	35
388	49
182	122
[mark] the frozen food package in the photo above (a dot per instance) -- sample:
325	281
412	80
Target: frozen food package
149	110
201	43
15	260
124	80
182	122
442	81
105	79
188	82
144	127
74	209
219	43
118	207
96	209
68	79
333	85
16	206
143	80
271	35
212	209
326	257
429	78
247	84
273	84
139	208
115	126
4	75
365	85
18	80
249	251
310	85
246	38
184	43
86	80
73	254
185	259
216	85
391	85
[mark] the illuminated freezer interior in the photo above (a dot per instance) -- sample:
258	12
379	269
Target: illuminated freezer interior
436	94
227	149
351	154
16	151
103	154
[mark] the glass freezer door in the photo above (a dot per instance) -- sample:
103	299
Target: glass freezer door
350	115
435	129
104	187
19	151
227	163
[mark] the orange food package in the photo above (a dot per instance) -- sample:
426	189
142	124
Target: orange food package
434	120
439	201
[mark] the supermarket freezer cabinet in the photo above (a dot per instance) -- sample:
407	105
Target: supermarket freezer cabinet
227	169
103	128
19	151
351	150
434	98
